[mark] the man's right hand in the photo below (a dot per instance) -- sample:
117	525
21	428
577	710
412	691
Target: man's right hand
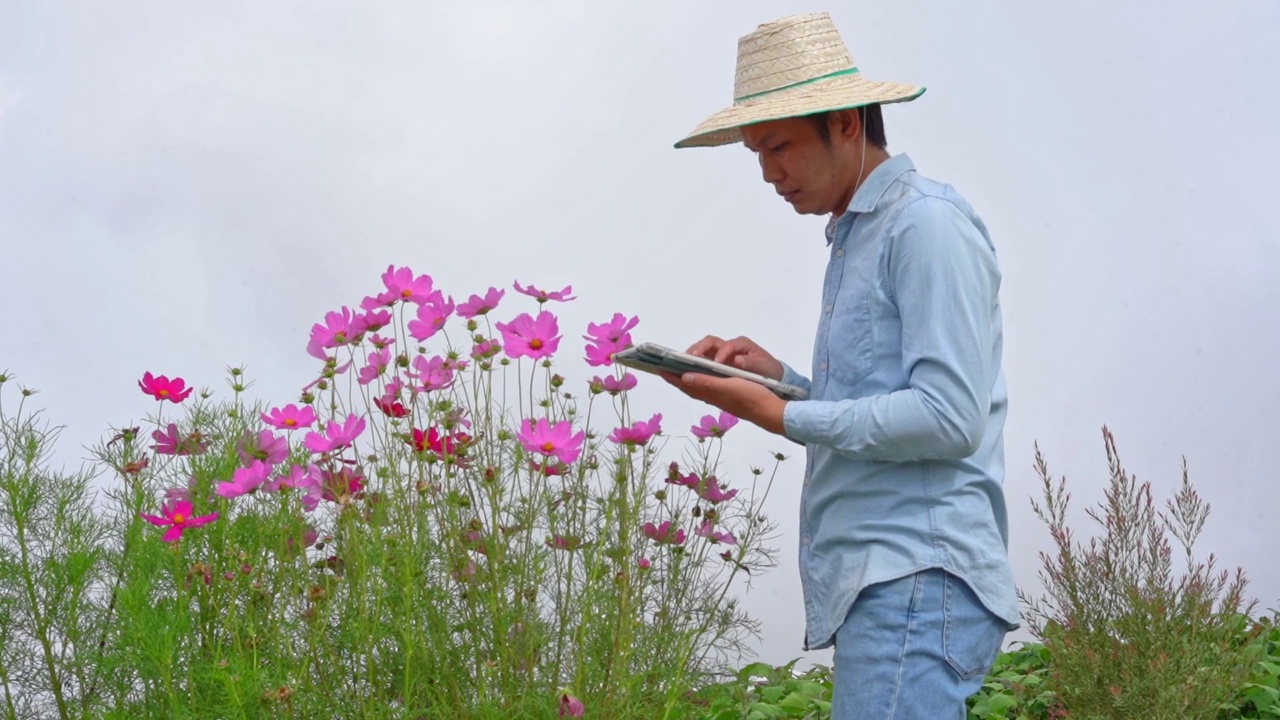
739	352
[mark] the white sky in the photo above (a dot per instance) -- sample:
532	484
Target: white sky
189	186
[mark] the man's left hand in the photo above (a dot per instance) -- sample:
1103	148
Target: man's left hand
742	398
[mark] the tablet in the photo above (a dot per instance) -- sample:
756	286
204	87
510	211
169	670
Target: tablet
653	358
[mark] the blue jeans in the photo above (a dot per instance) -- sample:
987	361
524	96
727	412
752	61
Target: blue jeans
914	649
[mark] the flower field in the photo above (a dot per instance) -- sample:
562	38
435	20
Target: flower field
438	526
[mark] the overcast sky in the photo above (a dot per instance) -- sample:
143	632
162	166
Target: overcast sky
186	186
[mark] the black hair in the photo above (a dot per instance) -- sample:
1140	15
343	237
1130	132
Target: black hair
872	124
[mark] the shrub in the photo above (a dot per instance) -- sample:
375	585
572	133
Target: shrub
426	532
1125	637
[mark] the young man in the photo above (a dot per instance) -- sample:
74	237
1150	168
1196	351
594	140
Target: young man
903	529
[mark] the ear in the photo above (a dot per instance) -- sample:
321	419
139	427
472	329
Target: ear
845	124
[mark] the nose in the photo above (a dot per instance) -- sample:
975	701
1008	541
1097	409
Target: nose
771	169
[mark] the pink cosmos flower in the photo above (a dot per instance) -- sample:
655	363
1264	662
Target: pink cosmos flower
380	342
639	433
707	530
543	295
169	442
336	436
374	320
434	372
244	480
485	350
298	477
614	385
666	533
476	305
571	706
290	417
710	426
174	495
527	337
564	542
601	352
334	487
432	315
162	388
339	328
552	441
401	286
378	362
266	446
707	488
178	516
617	330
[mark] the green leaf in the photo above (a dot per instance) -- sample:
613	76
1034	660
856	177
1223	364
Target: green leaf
812	689
757	669
999	704
773	694
762	710
795	701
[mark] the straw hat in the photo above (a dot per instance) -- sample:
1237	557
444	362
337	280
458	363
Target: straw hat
794	66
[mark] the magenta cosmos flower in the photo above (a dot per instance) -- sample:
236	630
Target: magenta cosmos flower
178	517
525	336
666	533
711	426
336	435
162	388
708	530
571	706
290	417
476	305
245	480
639	433
339	328
265	445
432	315
169	442
545	295
401	286
557	440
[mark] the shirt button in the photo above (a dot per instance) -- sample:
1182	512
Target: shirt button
828	308
823	366
805	540
840	252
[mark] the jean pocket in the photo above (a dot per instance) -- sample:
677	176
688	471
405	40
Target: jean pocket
972	634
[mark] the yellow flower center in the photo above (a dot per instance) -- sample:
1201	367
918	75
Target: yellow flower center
290	422
162	393
548	446
535	343
179	518
406	292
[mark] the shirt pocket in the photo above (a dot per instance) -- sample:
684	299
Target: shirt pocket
851	343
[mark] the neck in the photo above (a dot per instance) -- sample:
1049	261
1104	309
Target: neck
860	168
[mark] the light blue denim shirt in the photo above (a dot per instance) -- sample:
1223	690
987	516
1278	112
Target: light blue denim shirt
903	426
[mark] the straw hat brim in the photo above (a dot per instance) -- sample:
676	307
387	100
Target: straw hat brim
839	93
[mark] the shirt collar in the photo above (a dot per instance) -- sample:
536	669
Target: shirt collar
872	189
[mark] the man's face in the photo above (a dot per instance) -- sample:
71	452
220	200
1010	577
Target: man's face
802	168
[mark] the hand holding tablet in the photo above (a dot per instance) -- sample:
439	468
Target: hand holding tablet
654	358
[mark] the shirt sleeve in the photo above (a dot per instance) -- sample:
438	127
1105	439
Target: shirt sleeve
791	377
943	274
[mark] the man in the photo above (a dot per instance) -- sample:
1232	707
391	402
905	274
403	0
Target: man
903	547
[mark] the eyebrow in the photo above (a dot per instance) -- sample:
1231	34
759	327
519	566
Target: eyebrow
763	141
